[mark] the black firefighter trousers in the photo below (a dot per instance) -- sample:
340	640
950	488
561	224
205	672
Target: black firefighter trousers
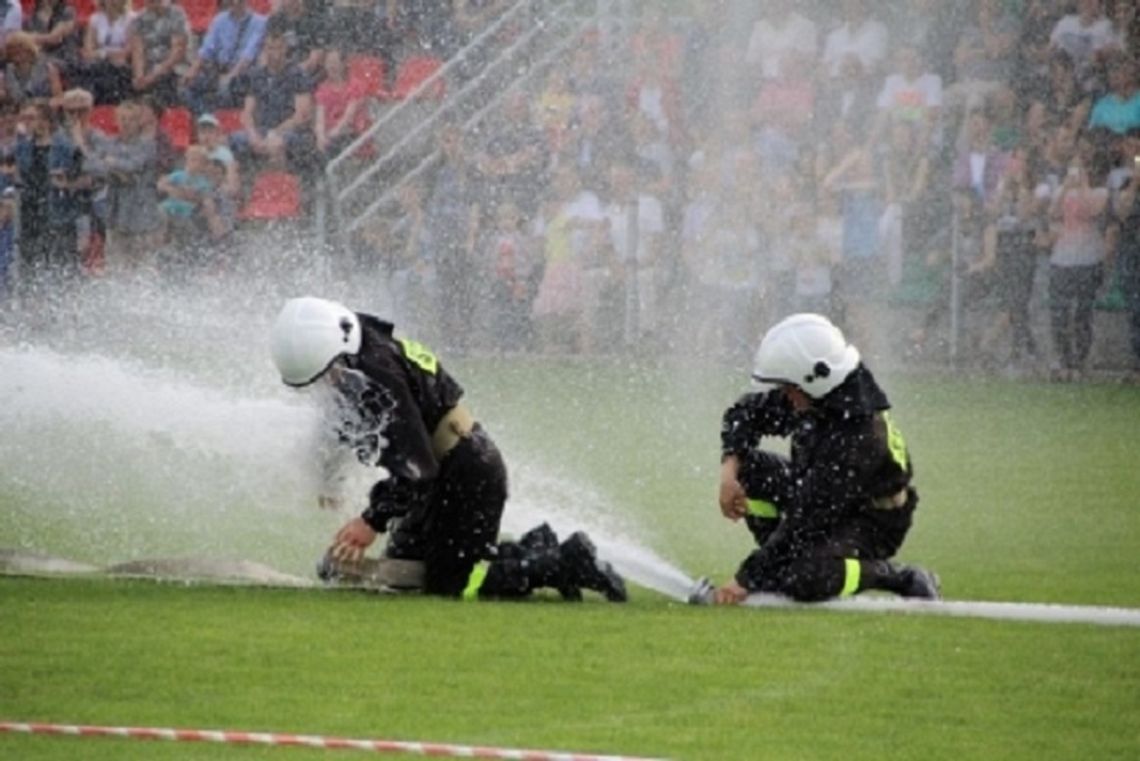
809	564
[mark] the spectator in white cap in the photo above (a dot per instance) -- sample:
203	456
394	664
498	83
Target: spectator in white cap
213	139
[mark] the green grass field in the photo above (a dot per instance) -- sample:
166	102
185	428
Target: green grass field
1029	493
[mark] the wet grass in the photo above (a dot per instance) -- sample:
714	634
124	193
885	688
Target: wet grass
1029	493
653	678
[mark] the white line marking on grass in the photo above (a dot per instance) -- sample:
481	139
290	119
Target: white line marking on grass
1004	611
310	741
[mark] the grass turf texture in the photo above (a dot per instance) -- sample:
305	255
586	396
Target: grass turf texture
1029	492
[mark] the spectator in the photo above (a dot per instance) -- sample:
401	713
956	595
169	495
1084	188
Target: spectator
40	250
106	70
858	39
306	33
1056	159
925	25
512	161
73	181
406	243
185	190
1034	49
984	58
1012	234
1038	128
9	135
1062	97
217	215
158	40
813	264
1076	264
472	16
341	106
217	78
850	96
569	227
726	266
452	217
11	19
657	98
974	282
29	74
777	210
353	24
168	155
277	118
655	41
79	185
54	28
650	146
588	77
633	213
7	242
861	276
1127	212
129	164
1007	123
507	259
1085	36
556	105
905	223
912	94
594	139
1119	109
980	164
1126	21
783	42
213	139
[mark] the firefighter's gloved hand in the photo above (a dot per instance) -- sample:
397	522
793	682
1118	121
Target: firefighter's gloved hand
391	498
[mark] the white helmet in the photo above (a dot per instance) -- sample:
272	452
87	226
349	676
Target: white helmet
309	335
807	351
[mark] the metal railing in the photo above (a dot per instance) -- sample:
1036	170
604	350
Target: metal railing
407	131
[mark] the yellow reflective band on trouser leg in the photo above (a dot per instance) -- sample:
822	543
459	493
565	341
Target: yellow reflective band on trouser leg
762	509
851	578
475	581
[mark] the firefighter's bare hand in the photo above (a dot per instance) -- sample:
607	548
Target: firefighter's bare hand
352	540
733	502
730	593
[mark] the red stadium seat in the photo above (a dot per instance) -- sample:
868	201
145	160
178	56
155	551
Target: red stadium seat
229	119
275	195
200	13
413	72
178	125
103	119
264	7
83	10
368	72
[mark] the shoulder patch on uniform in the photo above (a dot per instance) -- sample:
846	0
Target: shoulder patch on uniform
895	442
419	355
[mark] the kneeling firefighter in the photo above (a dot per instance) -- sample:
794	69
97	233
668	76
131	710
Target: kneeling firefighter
443	499
829	518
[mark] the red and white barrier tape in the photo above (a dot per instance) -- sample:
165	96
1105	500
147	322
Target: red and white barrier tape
306	741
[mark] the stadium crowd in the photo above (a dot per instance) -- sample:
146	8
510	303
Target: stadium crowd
670	176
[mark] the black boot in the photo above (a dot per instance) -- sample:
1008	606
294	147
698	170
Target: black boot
541	537
582	569
919	582
903	580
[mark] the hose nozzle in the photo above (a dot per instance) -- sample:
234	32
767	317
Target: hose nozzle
702	592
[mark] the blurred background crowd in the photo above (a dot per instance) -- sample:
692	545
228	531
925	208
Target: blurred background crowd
944	179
